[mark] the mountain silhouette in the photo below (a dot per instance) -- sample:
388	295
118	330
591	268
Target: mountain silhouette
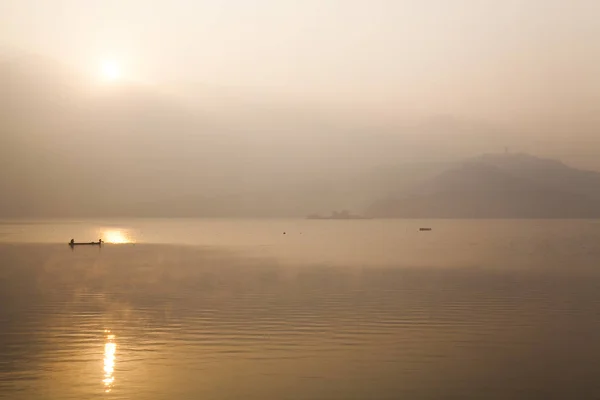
499	186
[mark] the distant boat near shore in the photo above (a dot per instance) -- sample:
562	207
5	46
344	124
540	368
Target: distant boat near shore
74	243
337	215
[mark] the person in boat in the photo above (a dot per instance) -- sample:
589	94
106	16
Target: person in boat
72	242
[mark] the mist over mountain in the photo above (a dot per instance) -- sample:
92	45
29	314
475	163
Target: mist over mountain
499	186
70	147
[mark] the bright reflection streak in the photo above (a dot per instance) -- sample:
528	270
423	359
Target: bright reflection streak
110	348
115	236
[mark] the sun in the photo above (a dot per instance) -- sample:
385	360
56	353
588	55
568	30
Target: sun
110	70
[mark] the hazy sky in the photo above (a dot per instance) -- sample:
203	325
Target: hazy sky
471	57
281	92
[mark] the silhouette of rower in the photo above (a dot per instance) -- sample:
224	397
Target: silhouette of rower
72	242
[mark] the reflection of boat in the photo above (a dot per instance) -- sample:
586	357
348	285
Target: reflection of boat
74	243
337	215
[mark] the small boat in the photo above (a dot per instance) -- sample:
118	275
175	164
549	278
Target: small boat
74	243
424	229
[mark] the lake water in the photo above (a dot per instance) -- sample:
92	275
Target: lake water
236	309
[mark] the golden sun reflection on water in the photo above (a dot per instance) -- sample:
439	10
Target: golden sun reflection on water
110	348
116	236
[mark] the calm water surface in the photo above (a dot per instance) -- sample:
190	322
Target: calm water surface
226	309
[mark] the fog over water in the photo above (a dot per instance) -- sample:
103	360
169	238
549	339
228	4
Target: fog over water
324	199
347	309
